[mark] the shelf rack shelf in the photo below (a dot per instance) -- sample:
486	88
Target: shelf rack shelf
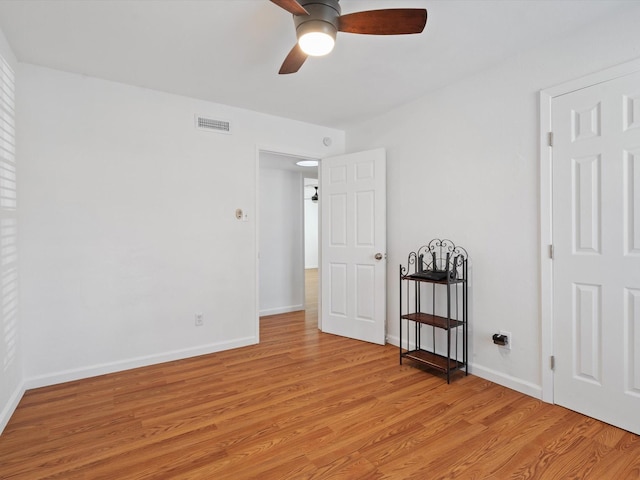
441	308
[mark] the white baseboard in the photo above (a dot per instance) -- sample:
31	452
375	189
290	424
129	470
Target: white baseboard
112	367
279	310
394	340
494	376
11	406
508	381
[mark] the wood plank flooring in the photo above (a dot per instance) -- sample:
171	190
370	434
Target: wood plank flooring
303	405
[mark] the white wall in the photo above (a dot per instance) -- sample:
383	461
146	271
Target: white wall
463	164
128	223
11	331
310	225
281	241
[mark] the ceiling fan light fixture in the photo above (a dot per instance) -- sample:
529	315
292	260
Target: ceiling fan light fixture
316	38
316	44
318	21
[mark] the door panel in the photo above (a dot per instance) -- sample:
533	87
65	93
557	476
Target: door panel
338	226
353	204
588	332
338	289
632	200
586	201
632	333
596	267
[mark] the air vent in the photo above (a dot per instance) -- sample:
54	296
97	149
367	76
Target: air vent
213	125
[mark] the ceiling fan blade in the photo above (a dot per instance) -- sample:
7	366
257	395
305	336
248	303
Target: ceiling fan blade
294	61
291	6
393	21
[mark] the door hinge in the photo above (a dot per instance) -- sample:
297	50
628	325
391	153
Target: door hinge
551	252
550	139
552	362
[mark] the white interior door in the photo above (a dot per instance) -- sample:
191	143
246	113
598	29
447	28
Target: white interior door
596	236
353	245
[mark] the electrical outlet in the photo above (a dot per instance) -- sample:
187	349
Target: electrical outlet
199	320
509	339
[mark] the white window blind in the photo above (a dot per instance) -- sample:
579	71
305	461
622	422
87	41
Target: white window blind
7	137
8	219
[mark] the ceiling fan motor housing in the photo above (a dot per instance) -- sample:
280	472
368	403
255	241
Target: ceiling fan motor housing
324	16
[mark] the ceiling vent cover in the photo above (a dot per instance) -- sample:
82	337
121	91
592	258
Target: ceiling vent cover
213	125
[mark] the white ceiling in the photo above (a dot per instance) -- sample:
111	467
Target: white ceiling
229	51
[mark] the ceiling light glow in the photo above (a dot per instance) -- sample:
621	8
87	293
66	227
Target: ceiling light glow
316	44
307	163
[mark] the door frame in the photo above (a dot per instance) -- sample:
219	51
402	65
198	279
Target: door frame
546	208
285	152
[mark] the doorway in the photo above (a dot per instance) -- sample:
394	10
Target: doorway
286	243
311	243
352	258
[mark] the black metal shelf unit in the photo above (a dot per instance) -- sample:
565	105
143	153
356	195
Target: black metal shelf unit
442	266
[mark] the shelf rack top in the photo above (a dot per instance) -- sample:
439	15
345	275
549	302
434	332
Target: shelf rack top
438	258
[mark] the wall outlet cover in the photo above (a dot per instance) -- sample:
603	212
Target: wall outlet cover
509	337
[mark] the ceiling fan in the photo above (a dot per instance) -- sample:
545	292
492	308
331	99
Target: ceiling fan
318	21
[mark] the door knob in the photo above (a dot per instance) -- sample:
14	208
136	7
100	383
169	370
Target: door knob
378	256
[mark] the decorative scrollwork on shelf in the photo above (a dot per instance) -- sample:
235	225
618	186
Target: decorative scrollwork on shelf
439	255
412	260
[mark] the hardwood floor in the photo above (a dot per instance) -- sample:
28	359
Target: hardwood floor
300	405
311	291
